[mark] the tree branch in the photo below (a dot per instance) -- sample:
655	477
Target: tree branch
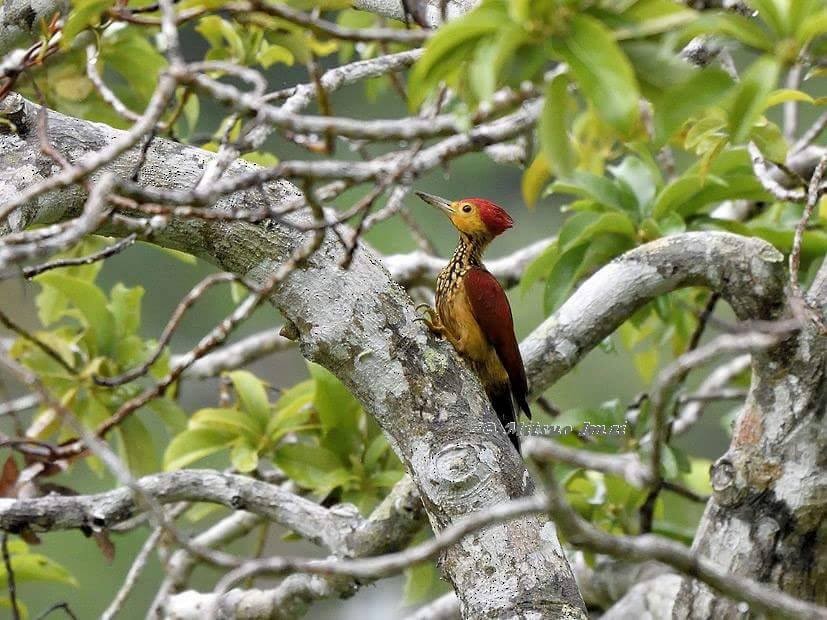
748	272
360	325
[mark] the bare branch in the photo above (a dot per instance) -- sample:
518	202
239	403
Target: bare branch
627	466
747	272
389	528
324	27
814	193
110	250
432	9
238	354
690	413
10	581
104	510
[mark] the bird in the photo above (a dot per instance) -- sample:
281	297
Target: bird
472	311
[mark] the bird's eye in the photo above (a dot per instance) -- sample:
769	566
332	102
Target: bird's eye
466	208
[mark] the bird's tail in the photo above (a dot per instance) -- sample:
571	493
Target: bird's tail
503	405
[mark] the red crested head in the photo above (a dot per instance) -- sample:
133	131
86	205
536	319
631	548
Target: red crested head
495	218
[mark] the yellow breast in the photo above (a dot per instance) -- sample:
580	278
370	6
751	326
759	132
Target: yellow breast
455	312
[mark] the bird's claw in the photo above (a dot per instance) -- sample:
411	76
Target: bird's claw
428	311
431	319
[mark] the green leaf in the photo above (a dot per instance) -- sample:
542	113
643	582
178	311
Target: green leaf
783	95
298	396
669	462
638	179
775	14
735	186
812	27
583	226
421	580
266	160
336	406
375	450
126	50
679	103
562	277
91	302
770	141
252	395
540	267
182	257
126	309
650	17
804	12
193	445
534	179
192	110
5	602
553	127
84	13
751	97
602	70
36	567
449	47
599	189
386	479
229	421
271	54
136	446
580	259
747	31
311	466
678	192
646	363
244	457
173	417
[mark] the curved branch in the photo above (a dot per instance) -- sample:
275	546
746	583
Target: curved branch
748	272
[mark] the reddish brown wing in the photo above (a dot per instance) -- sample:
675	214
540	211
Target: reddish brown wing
493	313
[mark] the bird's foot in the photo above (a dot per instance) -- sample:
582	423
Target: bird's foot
431	319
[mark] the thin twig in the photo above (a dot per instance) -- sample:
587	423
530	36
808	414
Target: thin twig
10	581
813	195
110	250
8	323
63	605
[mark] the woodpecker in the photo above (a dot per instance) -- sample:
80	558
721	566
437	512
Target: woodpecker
472	311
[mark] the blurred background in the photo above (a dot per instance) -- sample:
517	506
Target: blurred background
604	375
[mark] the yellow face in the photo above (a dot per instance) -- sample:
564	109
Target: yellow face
465	217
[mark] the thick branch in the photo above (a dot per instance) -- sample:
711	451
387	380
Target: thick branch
748	272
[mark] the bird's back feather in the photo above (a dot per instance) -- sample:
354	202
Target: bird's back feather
492	312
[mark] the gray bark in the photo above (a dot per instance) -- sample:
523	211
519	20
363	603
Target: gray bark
766	517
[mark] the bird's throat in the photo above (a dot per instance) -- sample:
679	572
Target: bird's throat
467	255
469	251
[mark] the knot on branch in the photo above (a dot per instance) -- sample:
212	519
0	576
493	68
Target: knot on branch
460	471
725	485
13	114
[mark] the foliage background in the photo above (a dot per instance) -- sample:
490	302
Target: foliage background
607	374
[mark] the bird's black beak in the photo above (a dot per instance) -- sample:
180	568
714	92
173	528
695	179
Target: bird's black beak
436	201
